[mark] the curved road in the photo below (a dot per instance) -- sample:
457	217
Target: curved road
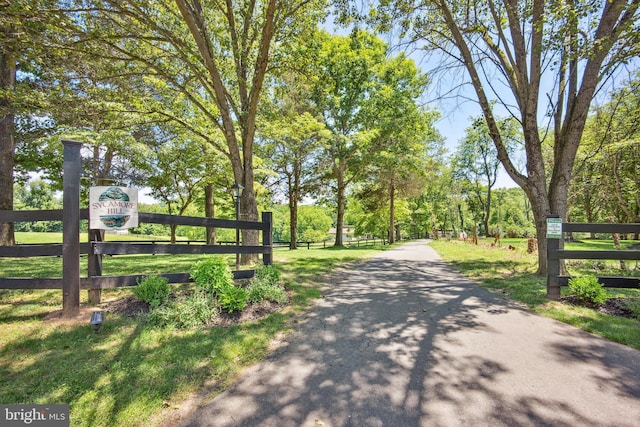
404	340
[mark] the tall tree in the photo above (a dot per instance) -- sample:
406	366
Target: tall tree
8	55
177	174
476	161
25	28
360	92
215	54
519	53
405	132
291	137
292	146
607	173
399	169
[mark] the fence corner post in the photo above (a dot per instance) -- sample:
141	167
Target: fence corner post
554	234
72	165
267	238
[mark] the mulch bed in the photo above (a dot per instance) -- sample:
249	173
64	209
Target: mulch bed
132	307
129	307
250	313
612	307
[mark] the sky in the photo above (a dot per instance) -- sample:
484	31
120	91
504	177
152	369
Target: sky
456	111
452	127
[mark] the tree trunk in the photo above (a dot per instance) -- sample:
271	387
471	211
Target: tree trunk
294	183
487	212
7	140
237	115
209	212
249	212
523	66
173	228
293	222
391	214
340	218
588	211
540	207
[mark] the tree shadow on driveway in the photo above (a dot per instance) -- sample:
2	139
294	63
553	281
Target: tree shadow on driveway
403	340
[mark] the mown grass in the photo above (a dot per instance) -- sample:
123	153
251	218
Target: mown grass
511	273
135	375
130	373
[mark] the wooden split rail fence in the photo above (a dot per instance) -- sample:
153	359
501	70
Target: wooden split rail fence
71	249
554	254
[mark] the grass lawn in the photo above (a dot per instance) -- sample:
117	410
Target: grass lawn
130	373
135	375
511	273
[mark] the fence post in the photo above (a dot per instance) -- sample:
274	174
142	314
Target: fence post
554	234
267	237
71	228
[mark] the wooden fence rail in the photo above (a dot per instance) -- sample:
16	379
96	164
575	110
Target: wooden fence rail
366	241
71	248
554	254
96	248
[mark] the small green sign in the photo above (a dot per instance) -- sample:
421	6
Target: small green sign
554	228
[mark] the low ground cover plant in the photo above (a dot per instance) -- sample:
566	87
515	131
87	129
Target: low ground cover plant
213	275
267	274
265	286
185	312
233	298
634	307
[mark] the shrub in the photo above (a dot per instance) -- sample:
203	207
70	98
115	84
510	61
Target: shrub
267	274
588	289
212	275
260	291
153	290
233	298
196	310
264	286
193	311
634	307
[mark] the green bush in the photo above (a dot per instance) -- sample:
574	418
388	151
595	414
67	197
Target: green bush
587	289
261	291
193	311
233	298
153	290
264	286
212	275
267	274
634	307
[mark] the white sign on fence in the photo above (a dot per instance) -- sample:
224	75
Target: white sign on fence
113	208
554	228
